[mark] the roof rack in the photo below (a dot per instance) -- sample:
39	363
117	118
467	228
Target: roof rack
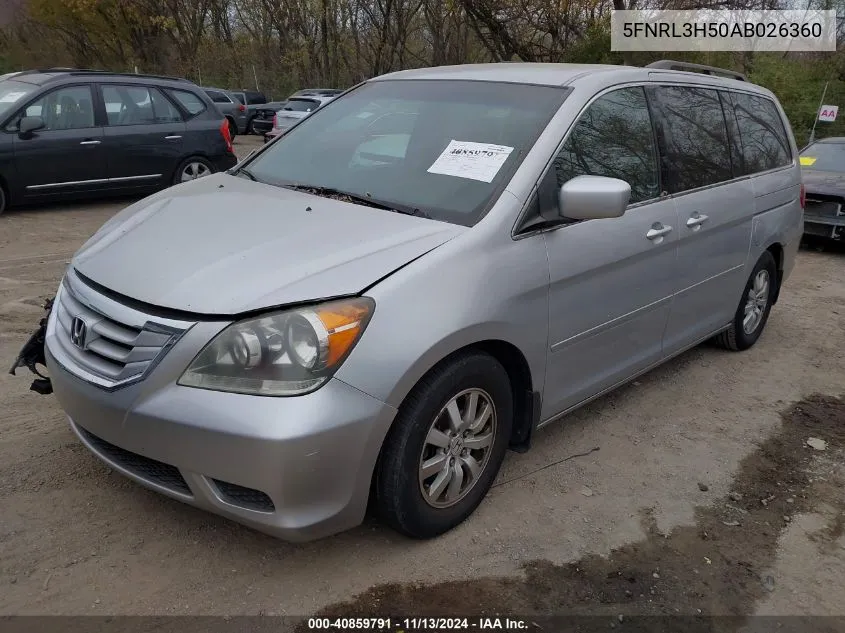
119	74
90	71
668	64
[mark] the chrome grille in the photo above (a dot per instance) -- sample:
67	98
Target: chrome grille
118	345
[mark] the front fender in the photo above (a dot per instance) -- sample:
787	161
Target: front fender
458	295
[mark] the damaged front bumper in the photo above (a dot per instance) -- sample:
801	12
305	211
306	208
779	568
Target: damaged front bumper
32	355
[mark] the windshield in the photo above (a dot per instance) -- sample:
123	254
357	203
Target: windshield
446	147
11	93
824	157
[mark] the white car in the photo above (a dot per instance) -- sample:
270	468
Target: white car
294	110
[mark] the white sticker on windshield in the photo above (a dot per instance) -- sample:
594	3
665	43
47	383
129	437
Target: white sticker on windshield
11	97
476	161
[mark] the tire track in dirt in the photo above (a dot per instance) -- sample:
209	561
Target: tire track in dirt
718	566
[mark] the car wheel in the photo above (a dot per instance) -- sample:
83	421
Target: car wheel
191	169
233	129
445	446
754	306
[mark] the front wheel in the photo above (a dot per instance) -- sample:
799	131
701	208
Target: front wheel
445	447
754	306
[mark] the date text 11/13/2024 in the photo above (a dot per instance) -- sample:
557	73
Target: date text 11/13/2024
416	625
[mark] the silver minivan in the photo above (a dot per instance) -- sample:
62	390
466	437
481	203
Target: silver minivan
375	306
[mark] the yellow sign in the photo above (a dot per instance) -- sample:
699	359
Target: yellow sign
807	160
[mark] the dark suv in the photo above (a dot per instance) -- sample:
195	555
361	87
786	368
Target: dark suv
79	133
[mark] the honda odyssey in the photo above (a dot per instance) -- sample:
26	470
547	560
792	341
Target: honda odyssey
375	306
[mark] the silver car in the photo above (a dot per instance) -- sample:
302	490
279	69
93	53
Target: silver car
416	278
293	111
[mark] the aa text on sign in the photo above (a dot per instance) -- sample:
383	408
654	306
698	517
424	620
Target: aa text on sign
828	113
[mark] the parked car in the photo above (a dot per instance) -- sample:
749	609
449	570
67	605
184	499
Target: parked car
823	164
229	106
318	92
292	112
254	101
250	97
344	319
75	133
262	122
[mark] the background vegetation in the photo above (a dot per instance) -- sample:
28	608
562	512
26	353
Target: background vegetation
282	45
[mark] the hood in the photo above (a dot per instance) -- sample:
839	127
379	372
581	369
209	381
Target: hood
224	245
831	183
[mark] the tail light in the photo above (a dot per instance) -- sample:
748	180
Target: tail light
224	130
242	108
803	196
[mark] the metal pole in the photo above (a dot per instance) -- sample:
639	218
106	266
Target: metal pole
816	120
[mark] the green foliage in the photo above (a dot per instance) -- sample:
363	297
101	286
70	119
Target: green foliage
798	83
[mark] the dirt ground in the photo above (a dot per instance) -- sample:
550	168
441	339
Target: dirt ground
702	498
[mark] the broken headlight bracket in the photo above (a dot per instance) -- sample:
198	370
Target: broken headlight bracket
32	355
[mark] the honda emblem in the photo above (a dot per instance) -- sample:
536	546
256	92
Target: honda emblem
78	330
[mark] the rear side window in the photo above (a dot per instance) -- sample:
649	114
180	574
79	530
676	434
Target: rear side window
188	100
765	144
696	152
614	138
218	97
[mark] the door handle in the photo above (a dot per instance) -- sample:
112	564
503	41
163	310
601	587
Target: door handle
90	143
696	220
658	231
172	138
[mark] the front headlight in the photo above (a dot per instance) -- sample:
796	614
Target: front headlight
286	353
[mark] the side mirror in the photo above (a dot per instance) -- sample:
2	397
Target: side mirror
30	124
593	198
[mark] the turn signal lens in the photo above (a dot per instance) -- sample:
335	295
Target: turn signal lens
344	323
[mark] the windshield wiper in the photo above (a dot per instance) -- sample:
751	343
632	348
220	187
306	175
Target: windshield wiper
345	196
247	173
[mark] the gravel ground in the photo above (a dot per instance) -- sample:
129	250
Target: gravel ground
687	455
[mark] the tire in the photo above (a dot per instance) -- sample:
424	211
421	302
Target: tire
195	164
3	199
736	338
401	486
233	128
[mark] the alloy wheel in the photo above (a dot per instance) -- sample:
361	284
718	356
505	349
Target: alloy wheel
756	301
194	170
457	448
